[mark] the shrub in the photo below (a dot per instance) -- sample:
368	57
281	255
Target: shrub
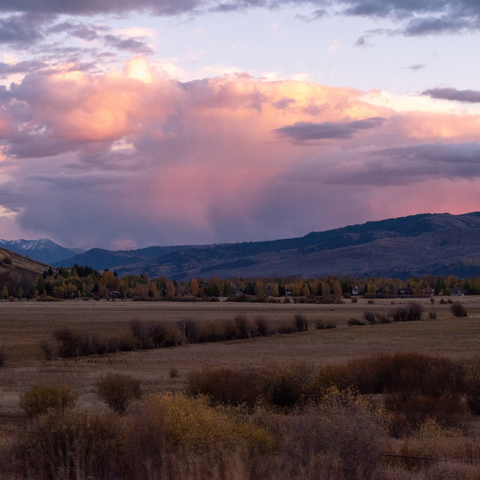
371	301
322	324
287	327
411	313
354	321
49	349
189	328
262	326
3	357
346	431
471	385
243	325
224	385
369	317
301	323
458	310
381	318
354	299
165	336
174	372
118	391
286	385
432	315
70	445
443	302
68	342
142	333
41	398
190	425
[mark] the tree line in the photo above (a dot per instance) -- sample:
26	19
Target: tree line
85	282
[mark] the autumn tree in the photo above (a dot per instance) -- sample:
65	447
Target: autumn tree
194	287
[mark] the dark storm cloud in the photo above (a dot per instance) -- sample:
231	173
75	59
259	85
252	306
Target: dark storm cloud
466	96
305	131
24	28
92	7
20	67
416	17
402	165
436	153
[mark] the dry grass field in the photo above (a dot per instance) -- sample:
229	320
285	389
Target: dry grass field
24	325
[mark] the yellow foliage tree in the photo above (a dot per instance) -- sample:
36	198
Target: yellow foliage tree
194	287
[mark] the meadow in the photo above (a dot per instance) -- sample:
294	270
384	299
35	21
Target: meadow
25	324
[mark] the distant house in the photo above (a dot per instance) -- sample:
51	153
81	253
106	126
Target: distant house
355	290
426	292
458	292
404	291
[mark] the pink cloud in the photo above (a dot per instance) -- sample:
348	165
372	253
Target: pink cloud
140	156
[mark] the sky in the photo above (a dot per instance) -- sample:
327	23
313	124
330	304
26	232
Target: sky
129	123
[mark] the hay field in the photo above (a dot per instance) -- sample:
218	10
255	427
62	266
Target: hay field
24	325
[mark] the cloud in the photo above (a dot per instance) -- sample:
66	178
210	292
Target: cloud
26	66
466	96
306	131
24	28
215	160
415	18
129	44
92	7
417	66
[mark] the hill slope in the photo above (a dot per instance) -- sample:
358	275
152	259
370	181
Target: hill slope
413	245
18	265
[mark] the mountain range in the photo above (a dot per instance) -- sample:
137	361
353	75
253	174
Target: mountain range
43	250
422	244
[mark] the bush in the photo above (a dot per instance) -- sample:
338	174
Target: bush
369	317
381	318
354	299
411	313
70	445
458	310
243	325
322	324
432	315
3	357
41	398
189	328
354	321
287	327
371	301
286	386
68	342
301	323
224	385
262	326
143	334
471	385
443	302
118	391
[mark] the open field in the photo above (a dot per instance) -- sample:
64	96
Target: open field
25	324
